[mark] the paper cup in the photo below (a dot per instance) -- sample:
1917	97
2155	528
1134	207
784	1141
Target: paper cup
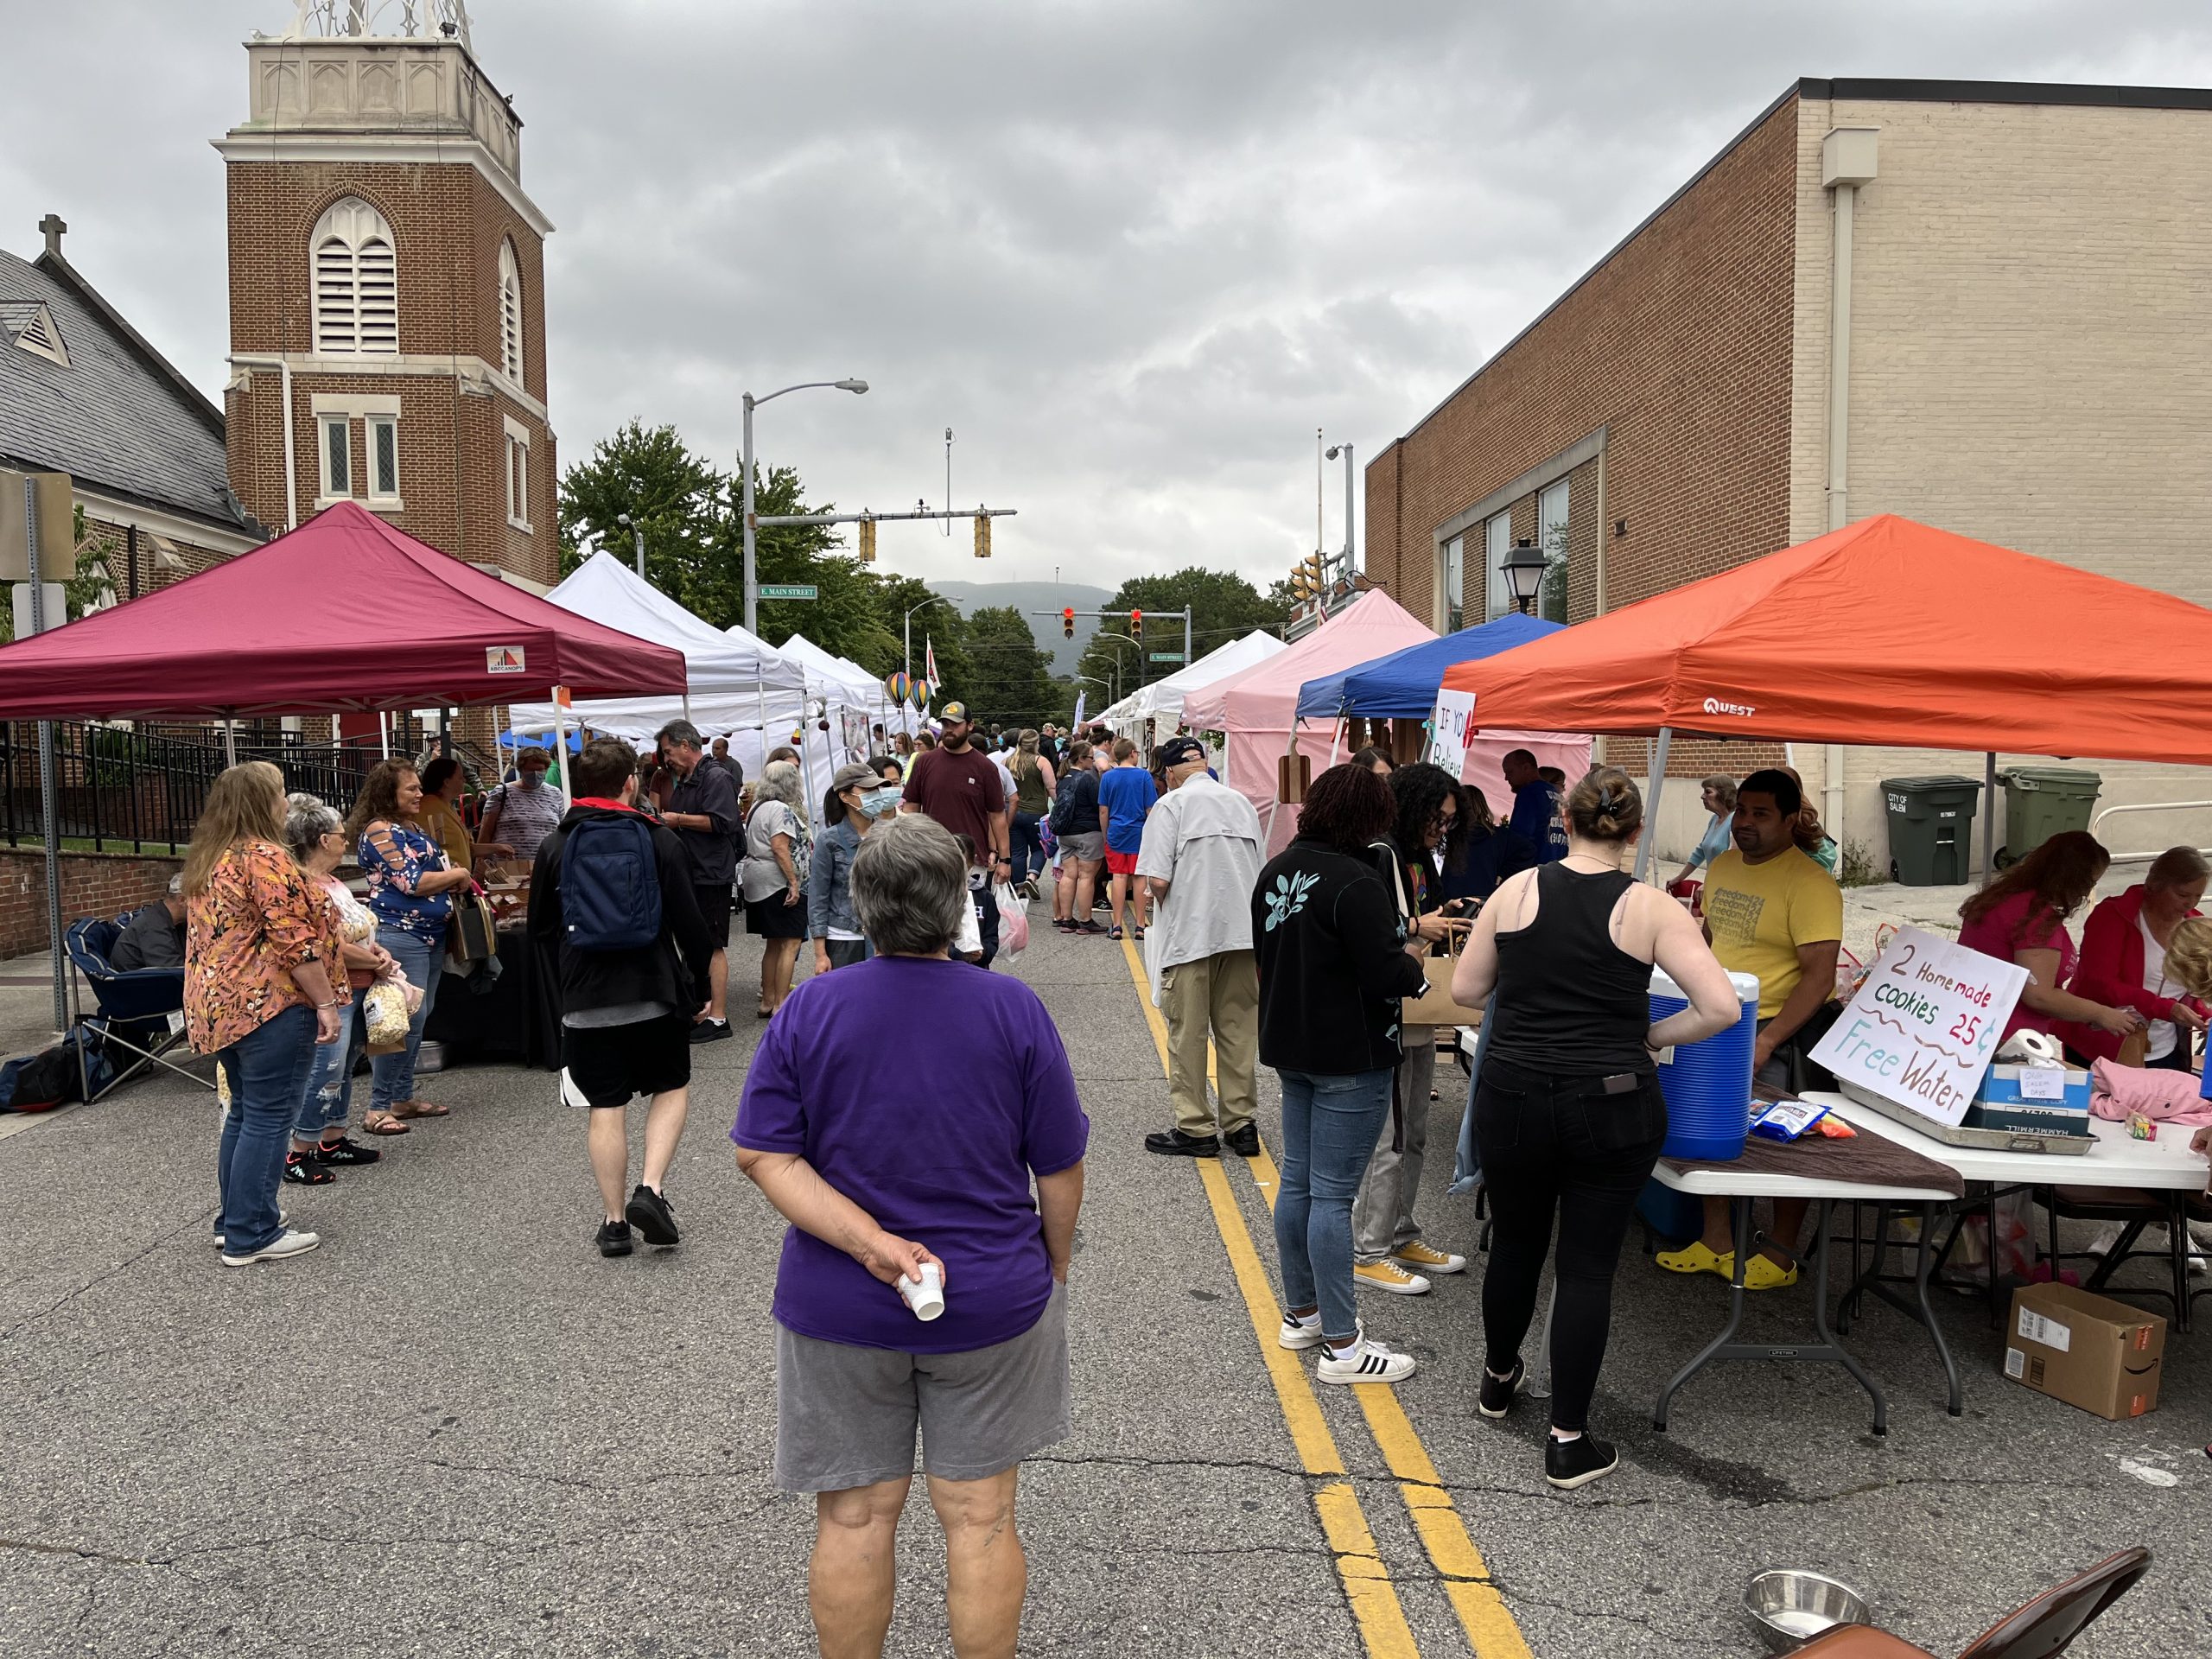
925	1295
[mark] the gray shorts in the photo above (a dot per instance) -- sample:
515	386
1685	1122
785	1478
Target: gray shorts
846	1416
1088	845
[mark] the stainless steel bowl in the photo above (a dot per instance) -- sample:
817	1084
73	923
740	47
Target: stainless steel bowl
1791	1606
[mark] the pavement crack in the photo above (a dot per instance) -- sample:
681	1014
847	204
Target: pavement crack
198	1219
76	1551
1122	1460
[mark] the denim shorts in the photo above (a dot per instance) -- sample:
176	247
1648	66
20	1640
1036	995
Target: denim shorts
846	1416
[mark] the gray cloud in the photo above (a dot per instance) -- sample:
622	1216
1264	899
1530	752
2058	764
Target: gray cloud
1133	253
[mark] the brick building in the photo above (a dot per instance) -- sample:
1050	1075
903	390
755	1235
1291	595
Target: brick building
2025	361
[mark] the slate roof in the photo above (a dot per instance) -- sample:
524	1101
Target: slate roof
119	419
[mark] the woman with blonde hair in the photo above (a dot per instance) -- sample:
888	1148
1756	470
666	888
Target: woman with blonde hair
1034	785
260	950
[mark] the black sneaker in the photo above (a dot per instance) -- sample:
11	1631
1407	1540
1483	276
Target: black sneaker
1245	1142
303	1170
709	1031
347	1150
1497	1396
614	1238
1570	1464
650	1213
1173	1143
1090	924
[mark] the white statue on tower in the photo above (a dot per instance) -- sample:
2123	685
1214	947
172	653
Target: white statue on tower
380	20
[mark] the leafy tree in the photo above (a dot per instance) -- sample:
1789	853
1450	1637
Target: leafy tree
1224	606
674	495
1013	683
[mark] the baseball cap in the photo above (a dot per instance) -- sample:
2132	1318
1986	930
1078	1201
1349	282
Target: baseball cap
953	714
1181	751
847	776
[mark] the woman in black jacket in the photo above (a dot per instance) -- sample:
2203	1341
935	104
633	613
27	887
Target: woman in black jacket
1334	960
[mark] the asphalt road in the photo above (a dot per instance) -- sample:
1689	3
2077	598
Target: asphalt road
455	1430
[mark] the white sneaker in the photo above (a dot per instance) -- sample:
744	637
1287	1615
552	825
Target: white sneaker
287	1244
2102	1243
1390	1276
1365	1362
1297	1337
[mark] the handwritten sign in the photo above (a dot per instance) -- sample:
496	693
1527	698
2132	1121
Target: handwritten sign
1923	1024
1448	730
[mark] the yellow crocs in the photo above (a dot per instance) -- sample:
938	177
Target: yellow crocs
1697	1256
1764	1273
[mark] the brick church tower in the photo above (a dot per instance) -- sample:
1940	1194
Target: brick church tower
387	283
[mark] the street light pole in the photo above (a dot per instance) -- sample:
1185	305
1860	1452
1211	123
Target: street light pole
638	531
752	574
1348	484
934	598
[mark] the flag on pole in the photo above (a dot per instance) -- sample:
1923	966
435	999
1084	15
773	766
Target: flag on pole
1077	722
928	661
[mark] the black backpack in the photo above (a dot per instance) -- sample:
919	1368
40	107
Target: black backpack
610	886
1063	820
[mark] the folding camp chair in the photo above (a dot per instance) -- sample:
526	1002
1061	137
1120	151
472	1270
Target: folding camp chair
141	1010
2041	1629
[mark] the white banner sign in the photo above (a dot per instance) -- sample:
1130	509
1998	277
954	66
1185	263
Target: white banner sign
1448	728
1924	1025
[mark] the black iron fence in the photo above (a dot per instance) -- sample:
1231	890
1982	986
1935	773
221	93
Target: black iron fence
140	789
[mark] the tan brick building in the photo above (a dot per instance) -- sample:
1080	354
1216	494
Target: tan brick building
2028	363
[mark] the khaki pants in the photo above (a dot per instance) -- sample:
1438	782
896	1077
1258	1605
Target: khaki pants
1382	1216
1220	994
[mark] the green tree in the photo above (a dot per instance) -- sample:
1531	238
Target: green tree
1013	683
1224	606
672	493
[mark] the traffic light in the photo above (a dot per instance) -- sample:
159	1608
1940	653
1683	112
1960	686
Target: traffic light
868	541
982	535
1136	625
1306	577
1067	622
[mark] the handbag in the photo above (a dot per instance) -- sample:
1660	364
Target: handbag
1435	1006
474	936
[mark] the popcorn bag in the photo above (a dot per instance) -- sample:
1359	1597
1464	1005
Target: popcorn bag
385	1009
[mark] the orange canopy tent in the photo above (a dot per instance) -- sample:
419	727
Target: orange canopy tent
1885	632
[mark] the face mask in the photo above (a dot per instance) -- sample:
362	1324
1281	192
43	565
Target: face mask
881	802
532	777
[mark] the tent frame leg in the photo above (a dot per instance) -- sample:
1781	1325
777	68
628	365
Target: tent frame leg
1651	807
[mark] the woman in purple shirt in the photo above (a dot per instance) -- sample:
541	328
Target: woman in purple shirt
894	1113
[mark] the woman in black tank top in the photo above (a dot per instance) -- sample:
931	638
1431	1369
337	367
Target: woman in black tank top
1568	1109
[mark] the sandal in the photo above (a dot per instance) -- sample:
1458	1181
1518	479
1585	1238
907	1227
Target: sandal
1113	932
419	1108
382	1123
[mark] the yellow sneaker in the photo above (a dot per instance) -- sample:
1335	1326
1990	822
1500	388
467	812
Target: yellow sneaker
1388	1275
1418	1257
1764	1273
1697	1256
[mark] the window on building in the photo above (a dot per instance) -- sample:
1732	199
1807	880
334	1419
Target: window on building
510	312
383	458
1551	536
1454	583
1497	542
356	282
518	475
336	451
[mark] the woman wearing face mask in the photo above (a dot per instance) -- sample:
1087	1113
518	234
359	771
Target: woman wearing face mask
517	815
858	797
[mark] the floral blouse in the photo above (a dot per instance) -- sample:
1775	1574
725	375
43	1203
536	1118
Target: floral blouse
243	934
395	859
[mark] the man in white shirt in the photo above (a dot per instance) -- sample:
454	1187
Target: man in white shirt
1202	852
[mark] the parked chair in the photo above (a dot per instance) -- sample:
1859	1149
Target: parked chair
135	1005
2133	1211
2040	1629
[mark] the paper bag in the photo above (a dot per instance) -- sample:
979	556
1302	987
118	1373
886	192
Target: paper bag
1434	1005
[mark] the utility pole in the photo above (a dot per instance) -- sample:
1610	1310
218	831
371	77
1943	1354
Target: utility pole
752	572
1346	448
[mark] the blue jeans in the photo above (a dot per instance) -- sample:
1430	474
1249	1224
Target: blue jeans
1028	845
267	1071
328	1101
1330	1125
392	1076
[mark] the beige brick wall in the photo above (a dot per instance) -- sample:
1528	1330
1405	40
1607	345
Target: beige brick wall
2030	364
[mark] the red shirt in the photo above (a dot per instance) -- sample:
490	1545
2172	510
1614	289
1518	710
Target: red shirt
961	791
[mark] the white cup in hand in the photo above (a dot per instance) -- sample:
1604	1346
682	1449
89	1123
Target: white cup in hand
925	1295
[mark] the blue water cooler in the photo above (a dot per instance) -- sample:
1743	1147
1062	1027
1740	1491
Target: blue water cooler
1708	1084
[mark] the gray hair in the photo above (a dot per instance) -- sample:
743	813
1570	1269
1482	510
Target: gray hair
306	822
176	885
909	881
681	733
780	781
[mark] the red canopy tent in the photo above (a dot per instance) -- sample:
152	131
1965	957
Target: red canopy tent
1887	633
344	614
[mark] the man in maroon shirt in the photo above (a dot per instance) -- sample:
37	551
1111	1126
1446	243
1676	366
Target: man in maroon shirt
959	786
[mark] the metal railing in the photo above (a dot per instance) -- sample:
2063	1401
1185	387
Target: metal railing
2148	806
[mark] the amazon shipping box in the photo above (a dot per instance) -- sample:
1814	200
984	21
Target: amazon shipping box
2089	1351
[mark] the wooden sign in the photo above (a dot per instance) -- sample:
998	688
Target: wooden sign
1924	1022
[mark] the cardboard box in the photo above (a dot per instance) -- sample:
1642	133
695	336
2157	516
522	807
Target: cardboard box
2037	1100
2089	1351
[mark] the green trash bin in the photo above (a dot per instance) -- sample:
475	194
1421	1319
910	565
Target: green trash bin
1931	828
2040	801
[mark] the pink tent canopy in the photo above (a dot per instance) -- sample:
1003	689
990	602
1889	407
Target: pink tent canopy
1257	708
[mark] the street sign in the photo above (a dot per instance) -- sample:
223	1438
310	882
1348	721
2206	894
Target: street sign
1166	656
790	590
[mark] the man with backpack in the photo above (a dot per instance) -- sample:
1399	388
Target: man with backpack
617	927
1083	845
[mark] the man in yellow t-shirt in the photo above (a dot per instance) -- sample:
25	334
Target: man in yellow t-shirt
1770	911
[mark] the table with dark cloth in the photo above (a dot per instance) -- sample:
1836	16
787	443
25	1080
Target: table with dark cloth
1864	1159
515	1020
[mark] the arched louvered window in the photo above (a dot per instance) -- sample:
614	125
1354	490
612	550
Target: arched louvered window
356	282
510	312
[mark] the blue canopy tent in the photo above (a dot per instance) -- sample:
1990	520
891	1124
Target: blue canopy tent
1403	685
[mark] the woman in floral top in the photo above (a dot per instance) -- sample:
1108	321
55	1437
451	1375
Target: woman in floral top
317	835
410	894
258	995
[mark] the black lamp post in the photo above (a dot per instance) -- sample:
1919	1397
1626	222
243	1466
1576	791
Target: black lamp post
1523	565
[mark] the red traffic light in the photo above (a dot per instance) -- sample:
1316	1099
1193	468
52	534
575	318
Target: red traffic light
1067	622
1136	625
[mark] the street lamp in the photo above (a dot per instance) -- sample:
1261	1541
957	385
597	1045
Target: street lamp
1346	449
638	530
934	598
752	580
1523	567
1110	690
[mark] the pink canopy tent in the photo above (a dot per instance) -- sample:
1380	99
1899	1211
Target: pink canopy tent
1257	708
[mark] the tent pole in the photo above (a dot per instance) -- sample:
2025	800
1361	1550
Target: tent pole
1651	807
230	740
384	734
561	746
1989	816
687	705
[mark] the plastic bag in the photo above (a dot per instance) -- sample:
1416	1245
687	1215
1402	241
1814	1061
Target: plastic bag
385	1007
1013	921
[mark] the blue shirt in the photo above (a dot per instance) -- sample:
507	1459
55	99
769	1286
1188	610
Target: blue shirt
1537	821
395	861
1127	793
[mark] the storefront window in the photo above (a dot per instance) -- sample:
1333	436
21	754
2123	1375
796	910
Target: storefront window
1455	577
1497	542
1551	536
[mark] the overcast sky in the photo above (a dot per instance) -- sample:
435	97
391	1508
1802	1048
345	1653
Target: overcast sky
1132	254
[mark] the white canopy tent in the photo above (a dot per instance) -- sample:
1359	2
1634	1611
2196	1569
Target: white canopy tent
1163	701
734	681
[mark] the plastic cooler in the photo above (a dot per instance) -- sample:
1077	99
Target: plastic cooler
1708	1084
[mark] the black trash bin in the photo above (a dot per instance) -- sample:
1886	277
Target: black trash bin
1931	828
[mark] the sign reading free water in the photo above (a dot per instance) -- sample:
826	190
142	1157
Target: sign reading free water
1923	1025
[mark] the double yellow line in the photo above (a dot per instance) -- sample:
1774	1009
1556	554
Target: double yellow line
1489	1626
